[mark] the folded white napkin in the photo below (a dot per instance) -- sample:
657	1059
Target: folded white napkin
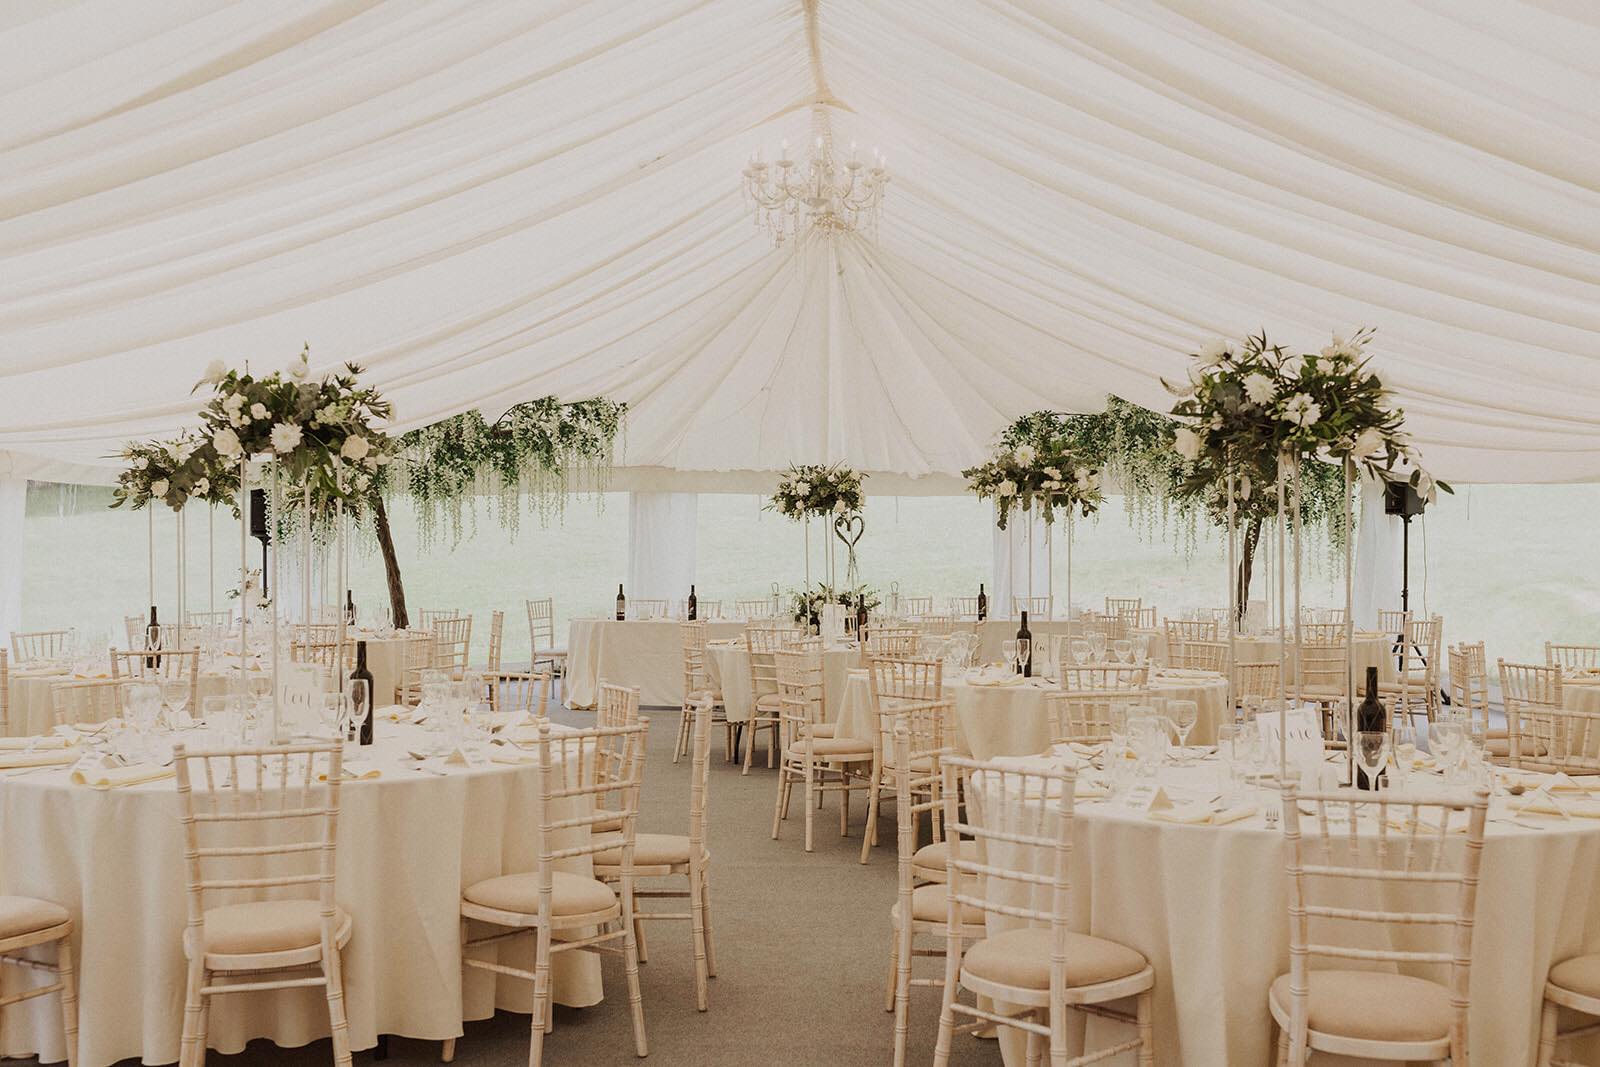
513	756
1201	814
356	771
50	757
106	774
1542	802
990	681
39	744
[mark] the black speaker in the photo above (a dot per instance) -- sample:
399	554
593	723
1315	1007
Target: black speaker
1401	498
258	516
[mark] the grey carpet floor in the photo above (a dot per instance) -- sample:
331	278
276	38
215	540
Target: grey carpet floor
802	950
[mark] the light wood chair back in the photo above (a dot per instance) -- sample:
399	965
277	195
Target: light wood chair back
1414	885
1572	657
314	632
753	609
93	700
134	625
1182	630
761	646
426	618
935	625
707	609
497	640
523	691
770	638
1254	683
1145	619
1393	621
1323	658
1089	716
692	638
39	645
964	607
1123	607
914	607
647	608
452	644
333	657
1469	682
895	642
1545	734
618	705
542	625
799	680
896	681
416	656
1103	676
1039	608
181	666
1200	656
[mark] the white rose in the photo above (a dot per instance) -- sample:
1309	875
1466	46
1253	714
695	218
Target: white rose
1187	442
202	487
286	437
140	463
159	488
232	403
216	370
840	508
380	458
1085	480
1007	488
1259	388
258	411
1302	410
1367	443
173	452
355	447
1026	455
1051	472
226	442
1213	351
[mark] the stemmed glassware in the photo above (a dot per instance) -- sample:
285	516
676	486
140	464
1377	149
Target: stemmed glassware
1444	741
1008	652
144	707
1122	648
1080	651
175	694
1183	714
1097	645
1148	736
1024	647
1372	752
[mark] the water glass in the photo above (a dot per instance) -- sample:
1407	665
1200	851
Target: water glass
1008	651
1372	752
1097	645
1148	736
1024	649
1228	753
1183	714
1080	651
1141	649
1123	649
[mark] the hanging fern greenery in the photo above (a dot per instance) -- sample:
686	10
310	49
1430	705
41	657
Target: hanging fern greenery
543	449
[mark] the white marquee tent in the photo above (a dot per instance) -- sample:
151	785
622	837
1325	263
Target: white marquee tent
484	203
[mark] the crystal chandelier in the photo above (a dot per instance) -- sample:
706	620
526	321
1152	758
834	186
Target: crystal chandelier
789	197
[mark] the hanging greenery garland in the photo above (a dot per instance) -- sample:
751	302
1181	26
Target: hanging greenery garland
544	448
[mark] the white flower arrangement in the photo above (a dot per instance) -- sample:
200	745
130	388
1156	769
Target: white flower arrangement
813	489
1039	472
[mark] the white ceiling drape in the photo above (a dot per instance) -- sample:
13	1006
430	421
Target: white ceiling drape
484	203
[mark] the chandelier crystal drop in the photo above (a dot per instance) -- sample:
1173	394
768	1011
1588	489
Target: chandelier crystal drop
789	197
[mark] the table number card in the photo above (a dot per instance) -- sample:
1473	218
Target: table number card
299	691
1302	734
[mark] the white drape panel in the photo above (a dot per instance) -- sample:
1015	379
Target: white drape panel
661	544
13	509
486	203
1377	572
1010	573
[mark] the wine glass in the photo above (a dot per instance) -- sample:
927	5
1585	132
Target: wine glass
1229	745
1444	741
1148	735
1024	650
144	705
1080	651
360	704
1008	652
334	710
1372	752
175	694
1097	645
1183	714
1122	648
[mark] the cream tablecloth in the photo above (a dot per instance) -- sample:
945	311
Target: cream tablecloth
1012	720
1371	650
647	653
728	667
408	842
1208	908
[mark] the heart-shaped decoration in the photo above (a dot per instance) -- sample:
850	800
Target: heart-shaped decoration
849	528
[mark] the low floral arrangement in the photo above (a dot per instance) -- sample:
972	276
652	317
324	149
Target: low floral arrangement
1034	468
326	434
173	472
805	603
1245	405
813	489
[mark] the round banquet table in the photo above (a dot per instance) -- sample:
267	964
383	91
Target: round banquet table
1208	907
728	668
647	653
409	841
1581	692
1370	650
31	714
1012	719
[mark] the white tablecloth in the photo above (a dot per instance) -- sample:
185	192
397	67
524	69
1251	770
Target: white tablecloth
30	689
1012	720
408	842
728	667
647	653
1208	908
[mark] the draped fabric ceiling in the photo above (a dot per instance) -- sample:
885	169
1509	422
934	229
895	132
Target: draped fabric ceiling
488	202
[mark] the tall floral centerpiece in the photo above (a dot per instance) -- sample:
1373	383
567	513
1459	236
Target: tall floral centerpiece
1035	470
829	492
1252	412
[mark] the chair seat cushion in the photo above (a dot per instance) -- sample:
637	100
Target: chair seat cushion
548	653
770	702
833	747
27	915
651	850
931	904
713	695
1021	958
1371	1005
266	926
930	861
822	729
570	894
1580	974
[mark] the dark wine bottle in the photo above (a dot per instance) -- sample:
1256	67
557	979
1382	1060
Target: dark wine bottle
694	605
1023	634
349	608
361	695
622	604
1370	718
152	639
861	618
983	603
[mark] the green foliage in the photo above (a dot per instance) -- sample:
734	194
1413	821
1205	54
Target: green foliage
818	489
1036	467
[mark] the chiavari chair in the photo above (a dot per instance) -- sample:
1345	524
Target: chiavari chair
616	705
208	620
29	924
964	607
501	682
335	658
1103	676
1039	608
753	609
1145	619
134	625
708	609
1124	607
1469	694
1180	632
1416	685
93	700
1572	657
314	632
416	657
426	619
922	908
813	758
287	796
39	645
1086	716
899	642
452	642
895	682
181	665
915	607
1201	656
766	712
697	689
1254	684
641	608
1364	1012
1019	829
542	634
935	625
1323	666
523	691
597	771
1573	984
1545	734
1115	627
664	856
